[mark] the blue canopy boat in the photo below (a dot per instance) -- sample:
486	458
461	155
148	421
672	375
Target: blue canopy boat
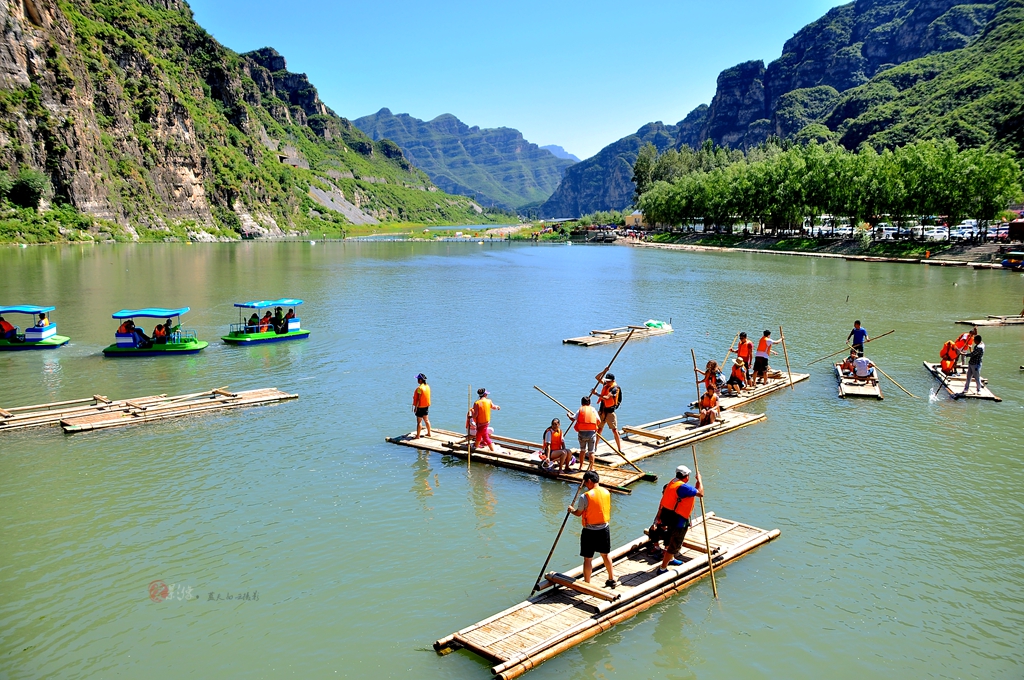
35	336
258	330
132	341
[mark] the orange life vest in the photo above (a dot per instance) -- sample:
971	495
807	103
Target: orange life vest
963	342
123	328
556	440
762	345
738	373
586	419
949	351
607	398
482	411
745	351
708	400
421	397
710	380
670	499
599	506
160	332
5	326
947	366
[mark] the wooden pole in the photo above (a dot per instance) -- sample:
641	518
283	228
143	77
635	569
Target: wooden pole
469	450
609	366
696	378
848	346
726	359
543	570
782	338
894	382
704	523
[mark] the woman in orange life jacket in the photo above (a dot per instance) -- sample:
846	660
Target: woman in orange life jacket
674	513
482	408
265	322
708	407
421	404
586	421
737	378
710	374
555	454
948	355
160	334
595	509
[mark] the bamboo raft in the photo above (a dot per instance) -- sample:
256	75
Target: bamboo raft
616	335
851	387
668	434
567	612
993	320
516	454
99	412
954	384
774	384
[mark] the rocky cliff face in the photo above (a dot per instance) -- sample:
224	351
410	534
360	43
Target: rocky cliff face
496	166
137	115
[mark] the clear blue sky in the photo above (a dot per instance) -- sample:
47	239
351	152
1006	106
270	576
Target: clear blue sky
579	74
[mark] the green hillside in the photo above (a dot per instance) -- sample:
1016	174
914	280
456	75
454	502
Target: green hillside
141	121
495	166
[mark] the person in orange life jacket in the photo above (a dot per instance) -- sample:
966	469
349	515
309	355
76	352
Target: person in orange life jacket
7	331
710	374
973	366
744	350
764	349
585	424
421	404
609	402
127	326
160	334
707	405
674	513
595	508
964	343
482	408
555	453
737	378
265	322
43	321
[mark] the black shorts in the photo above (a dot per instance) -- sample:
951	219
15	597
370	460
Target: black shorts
735	381
760	364
422	412
595	541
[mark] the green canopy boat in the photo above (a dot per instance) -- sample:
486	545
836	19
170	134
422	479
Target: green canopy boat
167	339
35	336
258	330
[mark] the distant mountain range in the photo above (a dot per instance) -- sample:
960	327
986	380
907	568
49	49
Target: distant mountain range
494	166
559	152
884	72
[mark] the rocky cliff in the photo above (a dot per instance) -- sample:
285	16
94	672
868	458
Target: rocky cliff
138	116
495	166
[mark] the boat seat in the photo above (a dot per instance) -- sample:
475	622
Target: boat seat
127	339
36	333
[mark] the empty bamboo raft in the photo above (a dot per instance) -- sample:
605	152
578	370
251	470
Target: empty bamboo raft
954	384
668	434
100	412
851	387
616	335
519	455
994	321
560	617
773	385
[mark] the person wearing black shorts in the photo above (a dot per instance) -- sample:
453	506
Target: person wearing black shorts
421	404
594	507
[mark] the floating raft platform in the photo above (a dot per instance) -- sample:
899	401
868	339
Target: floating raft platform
851	387
992	320
616	335
519	455
99	412
954	384
668	434
567	612
773	385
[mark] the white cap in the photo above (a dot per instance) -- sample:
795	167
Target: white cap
683	471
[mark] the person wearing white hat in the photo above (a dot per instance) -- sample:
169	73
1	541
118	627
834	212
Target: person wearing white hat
674	514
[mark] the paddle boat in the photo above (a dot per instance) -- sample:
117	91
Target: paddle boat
1014	261
130	343
246	333
34	337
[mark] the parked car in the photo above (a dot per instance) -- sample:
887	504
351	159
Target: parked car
935	233
885	232
998	232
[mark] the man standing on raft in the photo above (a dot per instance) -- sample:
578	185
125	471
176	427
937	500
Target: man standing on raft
421	404
611	397
859	336
595	508
674	514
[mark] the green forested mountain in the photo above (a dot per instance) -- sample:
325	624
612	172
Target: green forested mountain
134	114
495	166
883	71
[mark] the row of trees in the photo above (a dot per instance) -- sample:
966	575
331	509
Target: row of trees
780	185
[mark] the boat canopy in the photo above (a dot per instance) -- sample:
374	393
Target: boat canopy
25	309
149	312
261	304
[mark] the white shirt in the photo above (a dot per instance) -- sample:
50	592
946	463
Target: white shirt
861	366
768	342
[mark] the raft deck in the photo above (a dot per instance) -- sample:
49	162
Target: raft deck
668	434
519	455
616	335
954	384
560	617
992	320
851	387
747	396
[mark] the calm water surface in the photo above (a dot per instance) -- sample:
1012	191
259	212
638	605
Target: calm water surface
899	554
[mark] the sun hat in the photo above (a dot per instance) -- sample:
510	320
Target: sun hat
421	377
683	471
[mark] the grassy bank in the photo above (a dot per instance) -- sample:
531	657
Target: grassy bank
906	249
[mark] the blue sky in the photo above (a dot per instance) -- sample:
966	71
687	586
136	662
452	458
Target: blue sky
578	74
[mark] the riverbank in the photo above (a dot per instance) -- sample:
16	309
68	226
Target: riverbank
908	252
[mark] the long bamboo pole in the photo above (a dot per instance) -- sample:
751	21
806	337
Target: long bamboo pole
696	378
848	346
609	366
704	522
543	570
469	450
726	359
782	338
894	382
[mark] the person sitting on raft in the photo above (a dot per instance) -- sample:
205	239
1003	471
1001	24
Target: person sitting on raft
864	369
849	363
708	407
737	378
7	331
253	324
555	454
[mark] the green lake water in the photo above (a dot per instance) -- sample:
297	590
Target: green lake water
899	554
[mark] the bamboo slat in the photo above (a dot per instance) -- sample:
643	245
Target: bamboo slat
851	387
